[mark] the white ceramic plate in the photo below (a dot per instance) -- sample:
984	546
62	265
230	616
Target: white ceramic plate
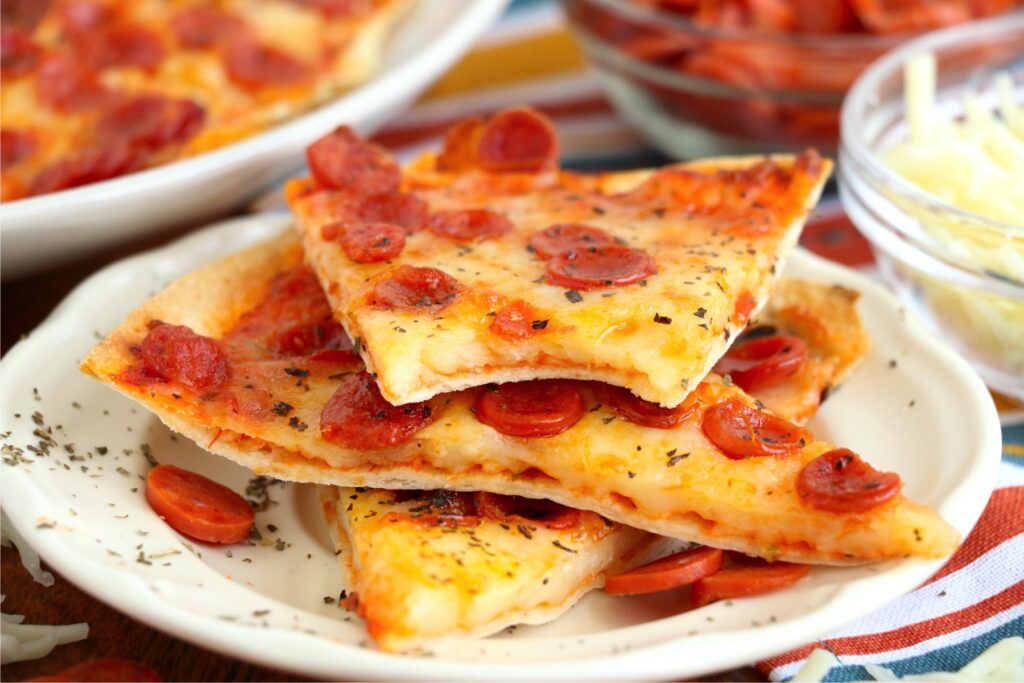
266	604
44	231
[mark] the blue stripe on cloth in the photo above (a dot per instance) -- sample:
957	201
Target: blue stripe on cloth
951	658
1015	435
518	5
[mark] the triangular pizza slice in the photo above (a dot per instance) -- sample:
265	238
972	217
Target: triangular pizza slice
244	357
486	263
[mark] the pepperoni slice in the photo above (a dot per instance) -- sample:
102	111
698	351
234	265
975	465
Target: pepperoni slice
254	65
764	361
357	416
900	16
610	265
177	353
108	670
68	87
543	407
519	510
670	572
125	46
461	150
398	208
15	147
198	507
555	239
336	9
839	481
518	140
517	321
641	412
89	166
199	28
343	161
469	224
315	339
372	242
740	431
413	288
152	121
84	18
745	305
18	54
739	582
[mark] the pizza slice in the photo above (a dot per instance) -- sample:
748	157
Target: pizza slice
485	263
421	566
244	357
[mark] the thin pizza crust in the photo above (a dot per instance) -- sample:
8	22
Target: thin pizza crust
622	471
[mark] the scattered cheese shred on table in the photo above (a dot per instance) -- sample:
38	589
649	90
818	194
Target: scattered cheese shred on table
20	642
29	557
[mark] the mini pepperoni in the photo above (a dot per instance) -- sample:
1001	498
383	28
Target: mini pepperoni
372	242
178	354
311	339
199	28
641	412
197	506
343	161
839	481
18	54
469	224
518	140
398	208
517	321
764	361
739	582
461	150
357	416
555	239
15	147
543	407
740	432
337	9
610	265
107	670
69	87
125	46
674	571
253	65
88	166
84	18
519	510
414	288
152	121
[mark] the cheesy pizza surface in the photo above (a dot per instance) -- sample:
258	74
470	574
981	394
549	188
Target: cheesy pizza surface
458	272
101	88
244	357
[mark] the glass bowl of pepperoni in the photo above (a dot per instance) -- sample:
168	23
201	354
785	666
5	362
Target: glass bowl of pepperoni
718	77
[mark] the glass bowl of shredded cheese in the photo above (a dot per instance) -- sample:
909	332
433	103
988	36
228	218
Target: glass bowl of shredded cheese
932	172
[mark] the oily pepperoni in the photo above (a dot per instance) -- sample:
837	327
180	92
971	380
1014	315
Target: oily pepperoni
743	581
83	18
901	16
398	208
323	339
469	224
610	265
519	510
461	150
124	46
413	288
178	354
357	416
199	28
839	481
517	321
107	670
197	506
740	432
555	239
674	571
372	242
336	9
89	166
253	65
543	407
764	361
15	147
518	140
641	412
152	121
18	54
343	161
69	87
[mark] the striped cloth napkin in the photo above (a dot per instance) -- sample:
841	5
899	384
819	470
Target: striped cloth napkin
978	597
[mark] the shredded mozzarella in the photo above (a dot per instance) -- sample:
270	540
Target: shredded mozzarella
20	642
29	557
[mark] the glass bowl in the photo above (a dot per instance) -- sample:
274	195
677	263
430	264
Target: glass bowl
962	273
694	91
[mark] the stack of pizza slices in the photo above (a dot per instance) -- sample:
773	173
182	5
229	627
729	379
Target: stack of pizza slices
517	383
